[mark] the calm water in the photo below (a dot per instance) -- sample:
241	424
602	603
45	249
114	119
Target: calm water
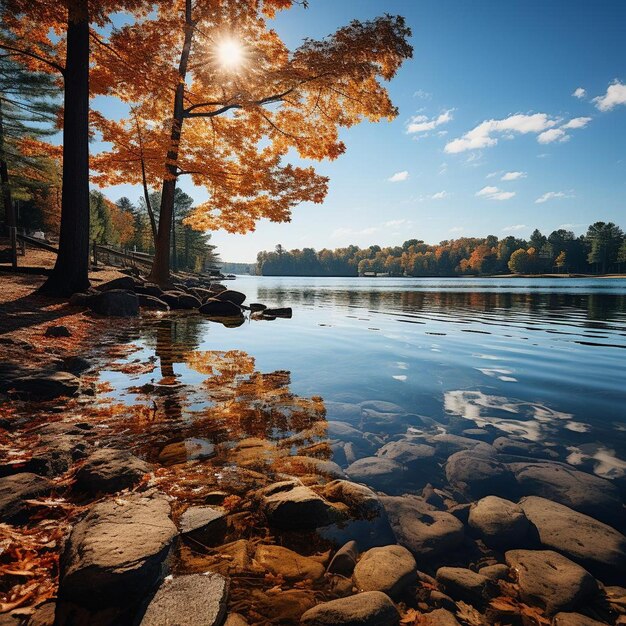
542	359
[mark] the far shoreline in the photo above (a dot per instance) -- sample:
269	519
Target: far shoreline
461	276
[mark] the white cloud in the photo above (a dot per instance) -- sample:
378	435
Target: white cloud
514	228
457	229
395	223
579	93
493	193
481	135
615	94
551	195
423	95
440	195
577	122
422	124
554	134
513	176
493	174
398	177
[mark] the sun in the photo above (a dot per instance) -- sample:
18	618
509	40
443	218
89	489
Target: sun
230	54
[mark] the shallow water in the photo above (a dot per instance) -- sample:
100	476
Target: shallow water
541	359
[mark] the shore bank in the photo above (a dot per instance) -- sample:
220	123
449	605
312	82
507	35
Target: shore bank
268	491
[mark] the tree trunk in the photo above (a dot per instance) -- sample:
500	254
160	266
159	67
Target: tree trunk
71	271
160	272
174	252
9	209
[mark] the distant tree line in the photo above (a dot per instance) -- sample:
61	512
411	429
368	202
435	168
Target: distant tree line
601	250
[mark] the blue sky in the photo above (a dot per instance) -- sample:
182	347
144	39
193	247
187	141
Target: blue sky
492	136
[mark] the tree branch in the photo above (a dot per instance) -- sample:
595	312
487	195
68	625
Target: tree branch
33	55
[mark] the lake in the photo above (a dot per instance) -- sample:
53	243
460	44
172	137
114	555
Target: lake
536	359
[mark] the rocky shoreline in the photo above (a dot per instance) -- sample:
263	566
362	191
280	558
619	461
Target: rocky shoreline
329	523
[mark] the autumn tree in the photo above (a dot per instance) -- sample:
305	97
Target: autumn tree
53	36
561	260
220	98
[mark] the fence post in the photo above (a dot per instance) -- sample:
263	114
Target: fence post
95	253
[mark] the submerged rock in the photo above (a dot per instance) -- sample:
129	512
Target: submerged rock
390	569
57	331
438	617
380	473
597	546
345	559
464	584
206	524
287	563
415	456
218	308
195	600
422	529
291	505
580	491
498	522
478	475
116	551
108	470
575	619
45	385
550	580
15	490
370	608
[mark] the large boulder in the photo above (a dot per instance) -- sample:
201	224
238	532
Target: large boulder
550	580
380	473
116	303
205	524
370	608
415	456
478	475
361	500
422	529
218	308
288	564
15	490
193	600
498	522
108	470
228	295
291	505
390	569
180	300
55	453
344	560
151	302
595	545
116	551
583	492
126	283
149	289
575	619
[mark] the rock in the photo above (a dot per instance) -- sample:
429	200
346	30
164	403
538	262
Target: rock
76	365
447	443
290	505
370	608
288	564
377	472
195	600
228	295
550	580
285	607
149	289
44	615
478	475
390	569
238	556
361	500
464	584
438	617
257	306
344	560
55	454
116	303
180	300
580	491
422	529
16	489
57	331
80	299
598	547
414	456
506	445
108	470
186	450
495	572
498	522
281	312
46	385
235	619
574	619
116	551
299	465
205	524
218	308
126	283
151	302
